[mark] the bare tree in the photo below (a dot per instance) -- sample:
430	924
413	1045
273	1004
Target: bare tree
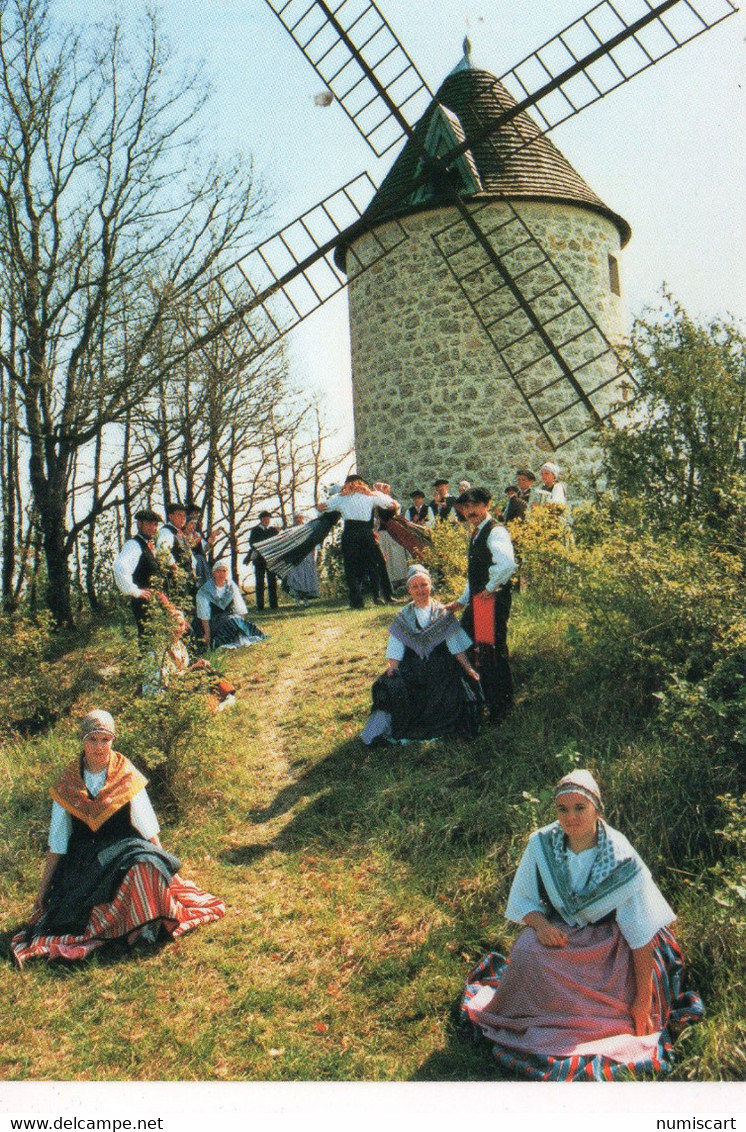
109	216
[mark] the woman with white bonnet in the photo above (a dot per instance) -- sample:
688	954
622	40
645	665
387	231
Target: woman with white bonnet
594	978
223	614
429	688
105	874
551	490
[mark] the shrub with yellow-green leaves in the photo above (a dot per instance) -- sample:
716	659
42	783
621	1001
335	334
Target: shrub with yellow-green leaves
445	557
31	694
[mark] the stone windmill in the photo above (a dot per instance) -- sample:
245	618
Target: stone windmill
485	303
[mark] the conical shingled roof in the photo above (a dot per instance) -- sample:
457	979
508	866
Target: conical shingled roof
532	172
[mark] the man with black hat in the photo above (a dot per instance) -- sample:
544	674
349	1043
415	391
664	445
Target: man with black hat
442	505
491	565
136	566
418	512
263	530
525	479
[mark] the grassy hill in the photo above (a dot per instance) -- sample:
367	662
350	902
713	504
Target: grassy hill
360	884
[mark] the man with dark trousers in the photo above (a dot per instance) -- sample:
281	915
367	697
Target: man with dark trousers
491	565
263	530
360	551
136	566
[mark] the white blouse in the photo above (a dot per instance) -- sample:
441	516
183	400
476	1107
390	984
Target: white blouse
457	642
142	814
639	917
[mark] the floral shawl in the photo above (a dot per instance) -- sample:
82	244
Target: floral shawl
123	782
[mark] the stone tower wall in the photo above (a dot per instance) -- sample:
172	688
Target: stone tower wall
431	396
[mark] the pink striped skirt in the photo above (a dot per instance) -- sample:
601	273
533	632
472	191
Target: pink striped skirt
563	1013
145	900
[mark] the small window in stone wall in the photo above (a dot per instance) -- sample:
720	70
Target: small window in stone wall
614	282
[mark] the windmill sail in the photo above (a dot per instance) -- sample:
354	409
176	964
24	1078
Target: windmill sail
361	61
548	341
285	279
546	338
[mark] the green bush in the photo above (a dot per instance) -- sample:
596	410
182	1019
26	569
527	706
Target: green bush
544	548
445	557
331	569
31	694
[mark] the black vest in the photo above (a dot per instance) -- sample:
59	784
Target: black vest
260	533
118	826
447	507
417	514
147	567
480	559
179	550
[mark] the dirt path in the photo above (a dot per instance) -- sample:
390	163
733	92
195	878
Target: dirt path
310	643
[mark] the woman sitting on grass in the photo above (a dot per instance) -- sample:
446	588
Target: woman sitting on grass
176	662
105	875
222	612
595	978
426	690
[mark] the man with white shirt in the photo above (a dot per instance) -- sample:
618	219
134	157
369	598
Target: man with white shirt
172	537
491	565
443	505
360	551
136	566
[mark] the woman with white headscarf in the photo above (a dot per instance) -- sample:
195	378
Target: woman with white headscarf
429	688
551	490
223	614
105	874
595	977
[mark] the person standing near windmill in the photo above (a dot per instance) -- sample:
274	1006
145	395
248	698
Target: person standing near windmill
442	505
487	598
136	566
360	551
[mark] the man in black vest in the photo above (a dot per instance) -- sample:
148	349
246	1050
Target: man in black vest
419	512
136	566
172	541
442	504
490	567
263	530
515	508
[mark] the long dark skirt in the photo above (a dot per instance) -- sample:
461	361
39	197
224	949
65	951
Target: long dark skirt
429	697
231	631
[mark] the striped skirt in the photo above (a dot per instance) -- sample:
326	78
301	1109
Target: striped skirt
144	902
562	1014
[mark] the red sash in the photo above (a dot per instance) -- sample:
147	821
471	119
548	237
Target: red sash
483	606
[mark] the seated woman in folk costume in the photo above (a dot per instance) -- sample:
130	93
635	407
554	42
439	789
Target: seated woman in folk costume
222	613
106	875
594	980
176	662
429	688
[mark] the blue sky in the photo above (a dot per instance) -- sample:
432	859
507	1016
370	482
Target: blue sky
666	150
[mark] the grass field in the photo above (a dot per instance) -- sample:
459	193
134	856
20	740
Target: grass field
360	884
